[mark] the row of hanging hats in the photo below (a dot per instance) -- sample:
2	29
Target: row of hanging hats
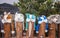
31	17
50	19
19	17
8	18
42	18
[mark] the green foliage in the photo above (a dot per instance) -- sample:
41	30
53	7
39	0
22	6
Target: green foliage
37	7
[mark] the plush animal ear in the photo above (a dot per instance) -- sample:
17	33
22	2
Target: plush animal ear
8	12
5	13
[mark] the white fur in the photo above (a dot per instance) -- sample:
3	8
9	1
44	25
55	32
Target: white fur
19	17
2	31
33	20
39	22
12	32
53	18
45	20
28	20
46	30
37	32
5	20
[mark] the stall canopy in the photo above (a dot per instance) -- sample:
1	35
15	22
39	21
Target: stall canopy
8	7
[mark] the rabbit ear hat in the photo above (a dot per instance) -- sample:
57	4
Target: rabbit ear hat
53	18
19	17
7	18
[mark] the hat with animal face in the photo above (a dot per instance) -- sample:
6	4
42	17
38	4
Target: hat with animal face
7	18
41	19
30	17
53	18
19	17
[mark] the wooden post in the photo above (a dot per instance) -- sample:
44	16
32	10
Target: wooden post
52	30
30	31
42	30
7	30
19	28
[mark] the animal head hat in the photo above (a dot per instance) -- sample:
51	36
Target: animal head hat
7	18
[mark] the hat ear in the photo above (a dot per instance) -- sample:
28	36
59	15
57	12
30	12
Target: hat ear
8	12
5	13
16	13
